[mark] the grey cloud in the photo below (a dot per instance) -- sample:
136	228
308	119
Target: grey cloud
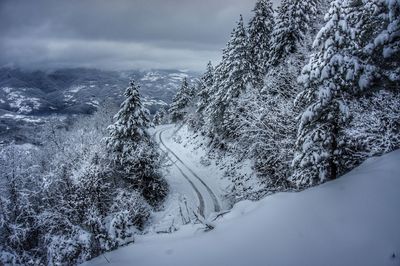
116	34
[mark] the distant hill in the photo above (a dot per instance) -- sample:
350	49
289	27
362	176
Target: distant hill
30	97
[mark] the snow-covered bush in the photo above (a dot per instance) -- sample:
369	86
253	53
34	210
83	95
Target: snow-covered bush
375	126
69	248
267	134
129	213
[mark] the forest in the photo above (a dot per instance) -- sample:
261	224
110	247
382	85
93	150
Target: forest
305	92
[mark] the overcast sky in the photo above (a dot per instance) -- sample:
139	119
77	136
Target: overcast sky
117	34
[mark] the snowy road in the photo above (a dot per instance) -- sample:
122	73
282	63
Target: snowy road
207	200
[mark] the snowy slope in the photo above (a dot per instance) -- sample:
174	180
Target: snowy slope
350	221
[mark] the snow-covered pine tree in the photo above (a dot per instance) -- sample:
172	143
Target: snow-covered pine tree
294	20
180	102
379	31
231	80
159	117
208	77
375	120
132	150
212	112
270	115
291	44
259	31
205	90
205	85
128	132
328	80
238	65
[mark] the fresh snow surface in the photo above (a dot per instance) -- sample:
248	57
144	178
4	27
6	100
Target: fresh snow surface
189	196
354	220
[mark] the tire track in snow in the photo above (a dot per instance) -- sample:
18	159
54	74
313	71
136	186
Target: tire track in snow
201	199
199	196
213	197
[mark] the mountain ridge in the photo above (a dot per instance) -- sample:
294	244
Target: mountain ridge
27	96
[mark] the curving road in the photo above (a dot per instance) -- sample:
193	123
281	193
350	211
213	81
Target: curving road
208	201
199	196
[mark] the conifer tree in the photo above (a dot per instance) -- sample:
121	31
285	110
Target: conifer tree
232	77
294	20
237	65
275	122
205	88
129	129
328	80
132	150
378	35
180	102
159	117
358	53
259	29
374	111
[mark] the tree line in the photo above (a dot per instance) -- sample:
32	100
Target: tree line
306	92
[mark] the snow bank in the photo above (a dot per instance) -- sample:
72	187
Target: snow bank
354	220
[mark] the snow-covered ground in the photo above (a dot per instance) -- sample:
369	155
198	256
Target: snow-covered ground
353	220
19	102
196	189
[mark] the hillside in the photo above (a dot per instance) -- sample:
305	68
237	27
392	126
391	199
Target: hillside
283	150
350	221
29	99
